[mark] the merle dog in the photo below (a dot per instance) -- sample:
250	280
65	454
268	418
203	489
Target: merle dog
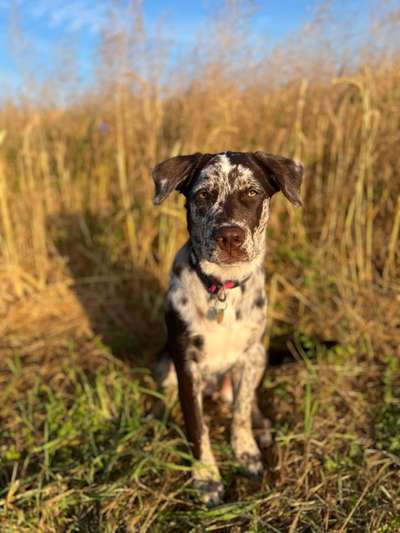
216	303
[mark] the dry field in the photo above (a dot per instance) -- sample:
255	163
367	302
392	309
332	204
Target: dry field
87	442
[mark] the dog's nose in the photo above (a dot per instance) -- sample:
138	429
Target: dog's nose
229	237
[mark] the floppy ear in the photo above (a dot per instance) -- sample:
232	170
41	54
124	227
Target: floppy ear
282	174
176	173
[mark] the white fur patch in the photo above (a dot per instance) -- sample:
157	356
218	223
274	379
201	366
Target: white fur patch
224	343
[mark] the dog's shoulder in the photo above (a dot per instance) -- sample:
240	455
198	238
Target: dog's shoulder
181	261
185	292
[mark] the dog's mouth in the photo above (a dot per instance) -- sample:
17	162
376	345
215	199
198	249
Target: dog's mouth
231	257
221	249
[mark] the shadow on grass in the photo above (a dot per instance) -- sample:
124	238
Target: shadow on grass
123	302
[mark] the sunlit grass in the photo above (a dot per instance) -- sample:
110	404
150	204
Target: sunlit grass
87	443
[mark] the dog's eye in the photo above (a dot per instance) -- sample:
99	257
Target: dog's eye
251	193
202	195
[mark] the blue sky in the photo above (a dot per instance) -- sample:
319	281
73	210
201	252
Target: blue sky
35	34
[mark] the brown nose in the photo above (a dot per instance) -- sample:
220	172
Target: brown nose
229	238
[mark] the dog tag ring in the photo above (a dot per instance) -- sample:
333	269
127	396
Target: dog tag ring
220	306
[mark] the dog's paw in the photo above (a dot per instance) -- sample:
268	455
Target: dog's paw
251	465
207	483
247	452
262	427
263	435
264	438
209	491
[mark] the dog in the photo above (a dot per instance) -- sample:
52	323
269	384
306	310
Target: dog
216	302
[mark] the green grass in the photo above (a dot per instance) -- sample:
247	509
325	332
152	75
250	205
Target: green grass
86	441
102	450
88	444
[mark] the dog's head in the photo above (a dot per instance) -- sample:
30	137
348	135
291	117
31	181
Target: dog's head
227	198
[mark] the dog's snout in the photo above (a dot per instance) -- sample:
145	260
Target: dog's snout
229	237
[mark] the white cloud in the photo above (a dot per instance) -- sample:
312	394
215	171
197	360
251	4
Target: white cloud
72	16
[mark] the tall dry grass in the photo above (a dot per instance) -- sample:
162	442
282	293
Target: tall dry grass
93	155
84	256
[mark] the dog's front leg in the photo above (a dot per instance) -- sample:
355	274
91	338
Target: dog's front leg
207	480
247	377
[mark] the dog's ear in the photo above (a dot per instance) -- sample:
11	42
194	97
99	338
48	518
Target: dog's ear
176	173
282	174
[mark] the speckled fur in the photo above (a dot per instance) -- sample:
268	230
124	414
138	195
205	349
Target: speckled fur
224	178
202	349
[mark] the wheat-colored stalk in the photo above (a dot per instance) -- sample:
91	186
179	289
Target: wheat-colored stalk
343	127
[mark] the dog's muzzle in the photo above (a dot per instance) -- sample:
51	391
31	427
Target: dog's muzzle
229	240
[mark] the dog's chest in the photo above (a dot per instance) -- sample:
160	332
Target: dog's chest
222	343
225	343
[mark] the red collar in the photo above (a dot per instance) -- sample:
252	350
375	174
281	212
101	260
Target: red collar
213	285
